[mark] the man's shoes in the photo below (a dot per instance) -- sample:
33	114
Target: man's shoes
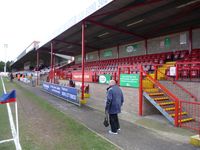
112	132
119	129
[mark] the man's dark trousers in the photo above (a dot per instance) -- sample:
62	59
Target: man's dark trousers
114	122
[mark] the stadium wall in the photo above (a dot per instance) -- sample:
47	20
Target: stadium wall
168	43
108	53
92	56
196	38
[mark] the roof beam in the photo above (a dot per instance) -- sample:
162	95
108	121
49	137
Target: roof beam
115	28
126	8
175	18
73	43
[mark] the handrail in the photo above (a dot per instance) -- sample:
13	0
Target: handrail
162	87
185	90
171	95
184	101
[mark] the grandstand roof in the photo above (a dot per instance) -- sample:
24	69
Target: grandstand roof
126	21
30	55
111	23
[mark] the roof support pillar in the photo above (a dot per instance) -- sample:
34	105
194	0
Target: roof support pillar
99	55
52	71
54	64
117	51
146	46
37	81
190	40
83	59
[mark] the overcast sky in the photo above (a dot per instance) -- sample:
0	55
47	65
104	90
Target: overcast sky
23	21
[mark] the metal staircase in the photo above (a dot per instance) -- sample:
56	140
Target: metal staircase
165	105
164	100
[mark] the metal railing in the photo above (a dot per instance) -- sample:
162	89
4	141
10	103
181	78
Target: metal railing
193	110
191	107
167	92
171	82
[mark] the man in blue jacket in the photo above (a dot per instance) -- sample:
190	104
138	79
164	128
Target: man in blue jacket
114	102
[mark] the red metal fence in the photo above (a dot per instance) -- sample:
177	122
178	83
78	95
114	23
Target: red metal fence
193	110
184	100
177	88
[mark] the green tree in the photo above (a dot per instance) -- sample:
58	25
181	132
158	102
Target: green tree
2	64
8	63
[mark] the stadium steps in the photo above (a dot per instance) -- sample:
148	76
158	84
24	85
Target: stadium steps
182	113
165	105
163	68
160	100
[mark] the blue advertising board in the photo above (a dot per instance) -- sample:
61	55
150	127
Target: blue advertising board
67	93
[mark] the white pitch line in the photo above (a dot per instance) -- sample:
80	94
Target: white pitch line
12	125
4	141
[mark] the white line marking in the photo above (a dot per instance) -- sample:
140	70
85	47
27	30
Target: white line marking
12	125
4	141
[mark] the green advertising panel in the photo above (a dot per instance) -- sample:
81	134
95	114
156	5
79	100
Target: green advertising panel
107	53
79	58
129	80
131	48
167	42
104	78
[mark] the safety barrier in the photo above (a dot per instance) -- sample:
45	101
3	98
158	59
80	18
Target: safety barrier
193	110
167	99
179	90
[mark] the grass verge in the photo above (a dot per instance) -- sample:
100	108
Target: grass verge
5	131
75	136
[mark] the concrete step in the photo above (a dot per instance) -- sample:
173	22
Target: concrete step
161	98
169	108
156	94
185	120
151	90
183	113
171	63
166	103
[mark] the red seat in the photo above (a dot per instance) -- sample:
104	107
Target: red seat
195	71
168	56
183	54
176	55
185	73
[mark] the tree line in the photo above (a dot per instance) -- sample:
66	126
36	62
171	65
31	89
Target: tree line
8	68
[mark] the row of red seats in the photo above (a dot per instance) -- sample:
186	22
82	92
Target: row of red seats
159	58
110	66
193	56
191	70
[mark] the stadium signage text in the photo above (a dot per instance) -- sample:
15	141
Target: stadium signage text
129	80
78	77
67	93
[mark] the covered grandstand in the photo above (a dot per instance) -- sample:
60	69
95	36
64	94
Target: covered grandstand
155	39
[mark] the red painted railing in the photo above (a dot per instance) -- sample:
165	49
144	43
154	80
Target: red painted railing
167	92
178	85
193	110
